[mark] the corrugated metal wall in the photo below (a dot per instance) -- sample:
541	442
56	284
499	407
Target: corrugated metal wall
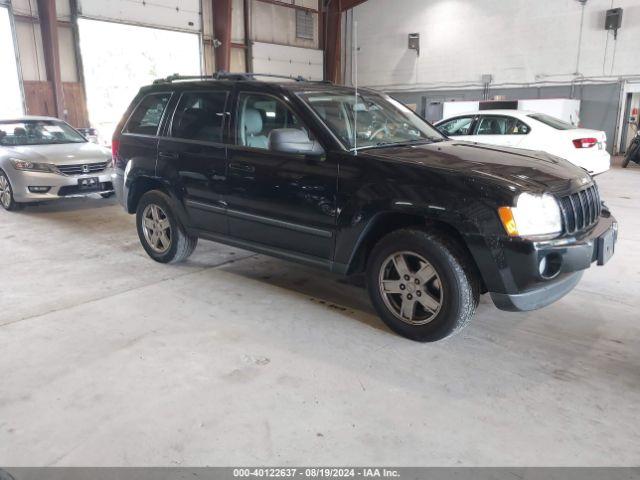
169	14
278	47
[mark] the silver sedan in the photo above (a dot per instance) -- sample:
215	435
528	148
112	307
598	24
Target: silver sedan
44	158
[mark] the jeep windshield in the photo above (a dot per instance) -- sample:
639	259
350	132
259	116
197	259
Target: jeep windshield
37	132
373	121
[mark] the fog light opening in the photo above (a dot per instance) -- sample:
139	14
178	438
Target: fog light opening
39	189
549	266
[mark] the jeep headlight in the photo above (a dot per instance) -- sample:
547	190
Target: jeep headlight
27	166
533	215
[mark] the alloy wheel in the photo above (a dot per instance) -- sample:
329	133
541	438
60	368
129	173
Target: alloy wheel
411	288
156	228
5	192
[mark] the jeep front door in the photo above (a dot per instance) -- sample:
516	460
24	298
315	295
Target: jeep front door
281	201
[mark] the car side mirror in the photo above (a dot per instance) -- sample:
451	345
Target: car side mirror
293	140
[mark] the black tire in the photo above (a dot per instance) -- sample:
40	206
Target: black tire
107	195
455	285
11	205
633	151
181	244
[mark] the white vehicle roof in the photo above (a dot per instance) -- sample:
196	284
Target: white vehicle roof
522	114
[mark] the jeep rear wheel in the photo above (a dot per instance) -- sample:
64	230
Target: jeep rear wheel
161	233
421	284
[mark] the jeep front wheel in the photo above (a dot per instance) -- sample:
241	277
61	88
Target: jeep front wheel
421	284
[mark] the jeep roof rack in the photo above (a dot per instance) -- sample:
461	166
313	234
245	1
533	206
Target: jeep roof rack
222	75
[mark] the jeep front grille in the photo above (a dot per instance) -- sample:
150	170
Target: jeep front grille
580	210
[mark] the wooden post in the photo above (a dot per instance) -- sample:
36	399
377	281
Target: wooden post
332	36
332	25
222	33
49	31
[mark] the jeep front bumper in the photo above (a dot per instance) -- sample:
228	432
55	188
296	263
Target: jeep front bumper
533	286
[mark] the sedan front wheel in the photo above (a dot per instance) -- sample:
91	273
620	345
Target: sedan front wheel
6	194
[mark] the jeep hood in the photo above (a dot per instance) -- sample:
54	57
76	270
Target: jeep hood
517	169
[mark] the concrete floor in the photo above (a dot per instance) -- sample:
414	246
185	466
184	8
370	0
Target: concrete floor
107	358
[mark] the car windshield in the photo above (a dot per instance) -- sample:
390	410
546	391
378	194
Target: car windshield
552	121
37	132
373	121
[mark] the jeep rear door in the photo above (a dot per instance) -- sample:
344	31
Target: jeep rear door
192	155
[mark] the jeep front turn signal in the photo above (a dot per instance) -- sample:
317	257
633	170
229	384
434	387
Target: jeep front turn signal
509	223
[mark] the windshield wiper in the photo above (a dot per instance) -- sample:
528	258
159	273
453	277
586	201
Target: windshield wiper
406	143
421	141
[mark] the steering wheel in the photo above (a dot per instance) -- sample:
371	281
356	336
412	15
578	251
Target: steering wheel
380	130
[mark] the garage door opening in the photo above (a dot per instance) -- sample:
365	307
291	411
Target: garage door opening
11	104
118	59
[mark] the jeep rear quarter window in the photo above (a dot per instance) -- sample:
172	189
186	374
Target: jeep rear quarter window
147	116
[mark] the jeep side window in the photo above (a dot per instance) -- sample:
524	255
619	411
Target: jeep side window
200	116
147	116
259	115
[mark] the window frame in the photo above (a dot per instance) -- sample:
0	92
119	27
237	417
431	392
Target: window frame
162	117
320	121
480	117
472	128
225	123
298	26
235	136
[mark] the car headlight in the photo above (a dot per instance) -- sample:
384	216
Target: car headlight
533	215
27	166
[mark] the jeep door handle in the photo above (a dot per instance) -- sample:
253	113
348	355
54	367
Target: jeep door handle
242	167
168	155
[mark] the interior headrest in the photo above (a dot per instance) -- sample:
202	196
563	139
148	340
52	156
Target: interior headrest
252	121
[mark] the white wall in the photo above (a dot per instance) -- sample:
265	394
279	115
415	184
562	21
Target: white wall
31	51
517	41
11	104
290	61
68	66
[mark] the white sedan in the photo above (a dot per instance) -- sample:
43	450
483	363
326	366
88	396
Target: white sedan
44	158
532	131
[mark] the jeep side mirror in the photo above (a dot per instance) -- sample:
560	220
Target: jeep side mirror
293	140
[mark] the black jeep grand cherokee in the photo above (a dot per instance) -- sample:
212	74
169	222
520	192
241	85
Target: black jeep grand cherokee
306	172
